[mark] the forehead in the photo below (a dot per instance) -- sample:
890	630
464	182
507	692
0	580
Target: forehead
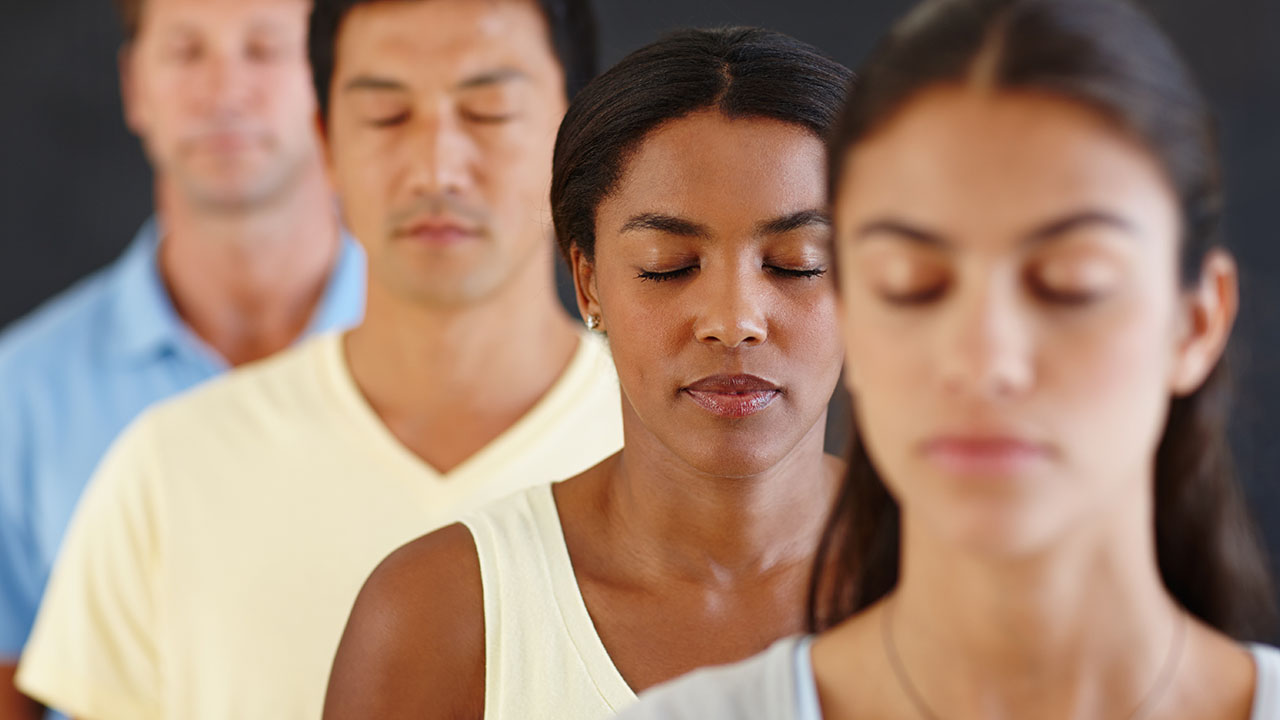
444	40
989	161
200	15
707	164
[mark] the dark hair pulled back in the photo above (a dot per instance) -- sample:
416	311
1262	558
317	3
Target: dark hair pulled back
741	72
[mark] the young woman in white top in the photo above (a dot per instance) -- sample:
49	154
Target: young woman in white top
1039	519
689	196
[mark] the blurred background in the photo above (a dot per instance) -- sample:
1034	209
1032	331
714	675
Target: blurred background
74	186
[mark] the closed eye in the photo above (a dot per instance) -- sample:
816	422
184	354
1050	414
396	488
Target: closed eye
797	273
923	296
1066	298
487	118
663	276
389	121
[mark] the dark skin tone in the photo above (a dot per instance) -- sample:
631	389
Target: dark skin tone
692	546
14	705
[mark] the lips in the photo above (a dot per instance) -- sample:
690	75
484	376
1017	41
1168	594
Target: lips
228	141
985	455
732	396
438	231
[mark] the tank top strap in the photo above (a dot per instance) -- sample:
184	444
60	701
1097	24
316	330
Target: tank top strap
543	657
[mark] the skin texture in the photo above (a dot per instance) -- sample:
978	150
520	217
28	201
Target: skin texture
1008	266
692	545
219	93
442	122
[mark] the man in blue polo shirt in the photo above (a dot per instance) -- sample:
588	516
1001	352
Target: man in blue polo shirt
245	257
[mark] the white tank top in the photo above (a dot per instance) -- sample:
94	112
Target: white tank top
778	684
543	657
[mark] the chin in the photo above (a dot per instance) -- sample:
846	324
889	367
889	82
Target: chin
232	193
735	457
999	530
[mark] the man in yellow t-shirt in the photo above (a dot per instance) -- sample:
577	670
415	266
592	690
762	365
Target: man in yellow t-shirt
211	565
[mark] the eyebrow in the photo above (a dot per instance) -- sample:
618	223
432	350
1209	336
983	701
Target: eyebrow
669	224
372	82
272	27
794	221
1049	231
492	77
1065	225
900	229
672	225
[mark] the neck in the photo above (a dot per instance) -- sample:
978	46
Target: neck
1084	629
466	372
713	529
248	282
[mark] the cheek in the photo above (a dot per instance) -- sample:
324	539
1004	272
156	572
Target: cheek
814	321
887	355
364	182
287	96
646	329
1111	379
516	167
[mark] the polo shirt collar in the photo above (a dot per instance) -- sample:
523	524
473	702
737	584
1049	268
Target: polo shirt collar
144	320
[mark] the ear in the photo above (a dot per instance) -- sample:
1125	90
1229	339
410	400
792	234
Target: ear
130	95
1207	313
584	285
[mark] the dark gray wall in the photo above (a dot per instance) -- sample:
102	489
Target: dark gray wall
73	185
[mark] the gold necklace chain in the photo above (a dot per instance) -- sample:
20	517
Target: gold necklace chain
1141	712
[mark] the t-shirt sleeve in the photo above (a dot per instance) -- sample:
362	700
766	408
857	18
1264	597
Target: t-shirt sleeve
20	581
93	652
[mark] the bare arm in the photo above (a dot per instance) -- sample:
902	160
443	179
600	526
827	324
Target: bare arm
414	644
13	704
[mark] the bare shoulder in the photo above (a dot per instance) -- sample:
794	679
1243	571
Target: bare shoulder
1217	677
414	644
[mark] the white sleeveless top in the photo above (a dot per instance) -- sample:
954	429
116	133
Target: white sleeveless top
543	657
778	684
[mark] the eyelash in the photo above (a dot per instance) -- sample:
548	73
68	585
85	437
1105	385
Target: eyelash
482	119
470	117
915	299
682	272
389	121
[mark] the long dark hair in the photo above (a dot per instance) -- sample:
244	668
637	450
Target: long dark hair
1110	57
741	72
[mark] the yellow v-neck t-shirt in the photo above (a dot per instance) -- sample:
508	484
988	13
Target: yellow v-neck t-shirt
212	563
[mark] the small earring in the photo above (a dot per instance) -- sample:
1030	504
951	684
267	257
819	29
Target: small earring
593	322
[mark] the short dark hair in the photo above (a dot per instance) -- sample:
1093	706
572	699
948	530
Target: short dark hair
742	72
571	25
1107	56
130	17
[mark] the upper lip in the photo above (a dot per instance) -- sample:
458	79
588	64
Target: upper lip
438	223
732	384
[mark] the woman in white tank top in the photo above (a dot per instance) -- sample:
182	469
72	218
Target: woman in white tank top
1039	519
689	197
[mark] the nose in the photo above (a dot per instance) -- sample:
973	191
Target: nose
439	152
731	308
228	83
988	352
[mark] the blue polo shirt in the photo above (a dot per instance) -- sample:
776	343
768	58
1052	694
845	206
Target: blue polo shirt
73	374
